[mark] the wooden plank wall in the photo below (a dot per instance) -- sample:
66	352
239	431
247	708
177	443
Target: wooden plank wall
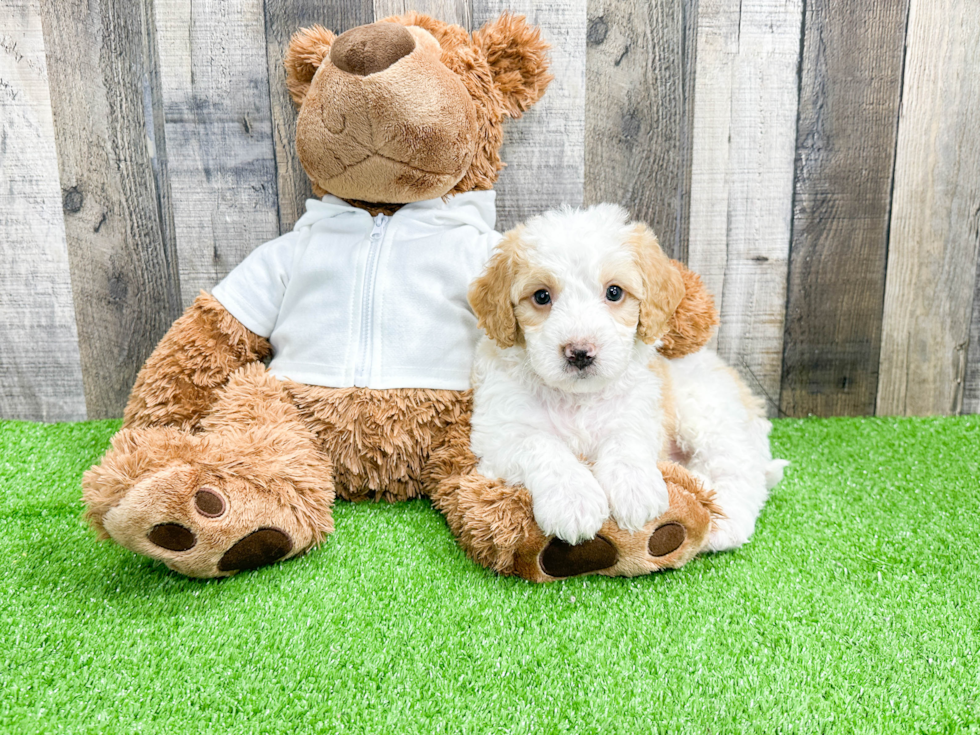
935	221
745	107
40	368
816	161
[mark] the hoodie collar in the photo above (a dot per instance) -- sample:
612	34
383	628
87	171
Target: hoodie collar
474	208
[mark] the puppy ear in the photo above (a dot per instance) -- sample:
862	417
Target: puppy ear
518	60
663	286
489	295
694	320
307	49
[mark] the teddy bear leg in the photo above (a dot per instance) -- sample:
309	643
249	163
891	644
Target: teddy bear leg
250	489
495	524
673	539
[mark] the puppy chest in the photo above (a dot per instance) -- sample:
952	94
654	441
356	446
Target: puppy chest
585	429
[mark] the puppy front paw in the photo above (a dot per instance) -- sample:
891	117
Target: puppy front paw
637	494
573	511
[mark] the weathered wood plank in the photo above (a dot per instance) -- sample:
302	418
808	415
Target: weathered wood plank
215	88
282	19
111	158
746	91
935	220
689	54
851	86
636	111
545	150
40	367
459	12
971	388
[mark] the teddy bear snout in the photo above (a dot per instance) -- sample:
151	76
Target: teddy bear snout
372	48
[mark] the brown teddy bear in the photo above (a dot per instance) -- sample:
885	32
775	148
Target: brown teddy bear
227	461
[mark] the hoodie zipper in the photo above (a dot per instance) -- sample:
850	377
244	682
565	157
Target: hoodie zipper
362	369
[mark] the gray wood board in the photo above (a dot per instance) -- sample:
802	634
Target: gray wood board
639	104
215	88
40	367
845	153
935	219
746	90
282	19
459	12
545	149
971	388
111	156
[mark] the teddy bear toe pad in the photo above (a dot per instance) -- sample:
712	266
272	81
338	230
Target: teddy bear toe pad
209	503
259	548
561	559
666	539
172	537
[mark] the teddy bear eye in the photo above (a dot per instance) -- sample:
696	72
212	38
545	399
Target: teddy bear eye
542	297
614	293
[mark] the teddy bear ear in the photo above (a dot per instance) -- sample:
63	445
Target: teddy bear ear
307	49
518	60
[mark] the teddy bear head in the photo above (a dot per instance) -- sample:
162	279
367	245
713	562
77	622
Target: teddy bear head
410	108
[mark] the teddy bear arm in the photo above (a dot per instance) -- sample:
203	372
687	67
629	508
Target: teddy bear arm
177	385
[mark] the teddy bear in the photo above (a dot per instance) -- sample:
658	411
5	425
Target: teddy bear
334	361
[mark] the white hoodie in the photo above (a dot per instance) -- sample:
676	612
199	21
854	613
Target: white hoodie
350	300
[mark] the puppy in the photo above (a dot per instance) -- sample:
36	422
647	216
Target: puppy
573	401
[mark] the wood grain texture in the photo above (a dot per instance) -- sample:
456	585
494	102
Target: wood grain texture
935	221
40	367
971	387
746	90
215	88
849	98
459	12
638	111
545	150
111	157
282	19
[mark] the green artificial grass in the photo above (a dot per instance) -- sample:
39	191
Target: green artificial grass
854	609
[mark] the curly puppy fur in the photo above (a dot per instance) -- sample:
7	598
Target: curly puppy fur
572	399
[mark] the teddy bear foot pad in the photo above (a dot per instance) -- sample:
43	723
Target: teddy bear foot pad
561	559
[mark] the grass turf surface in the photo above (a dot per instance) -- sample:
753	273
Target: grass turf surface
854	609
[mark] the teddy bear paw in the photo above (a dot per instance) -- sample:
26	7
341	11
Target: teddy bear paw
201	527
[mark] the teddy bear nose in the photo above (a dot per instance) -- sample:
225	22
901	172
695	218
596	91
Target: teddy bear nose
372	48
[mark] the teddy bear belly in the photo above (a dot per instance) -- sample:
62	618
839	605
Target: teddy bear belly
380	441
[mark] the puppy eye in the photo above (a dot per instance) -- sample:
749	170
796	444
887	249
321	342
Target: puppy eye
614	293
542	297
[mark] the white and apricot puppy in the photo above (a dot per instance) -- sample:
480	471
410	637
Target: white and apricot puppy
565	401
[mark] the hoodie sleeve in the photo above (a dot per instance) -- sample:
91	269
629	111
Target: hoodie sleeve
253	291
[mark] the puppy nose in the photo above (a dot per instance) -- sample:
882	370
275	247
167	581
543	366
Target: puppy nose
579	354
372	48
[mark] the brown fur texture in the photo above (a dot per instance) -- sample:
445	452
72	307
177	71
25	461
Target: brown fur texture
253	449
381	152
490	295
216	454
694	320
663	287
178	383
306	51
